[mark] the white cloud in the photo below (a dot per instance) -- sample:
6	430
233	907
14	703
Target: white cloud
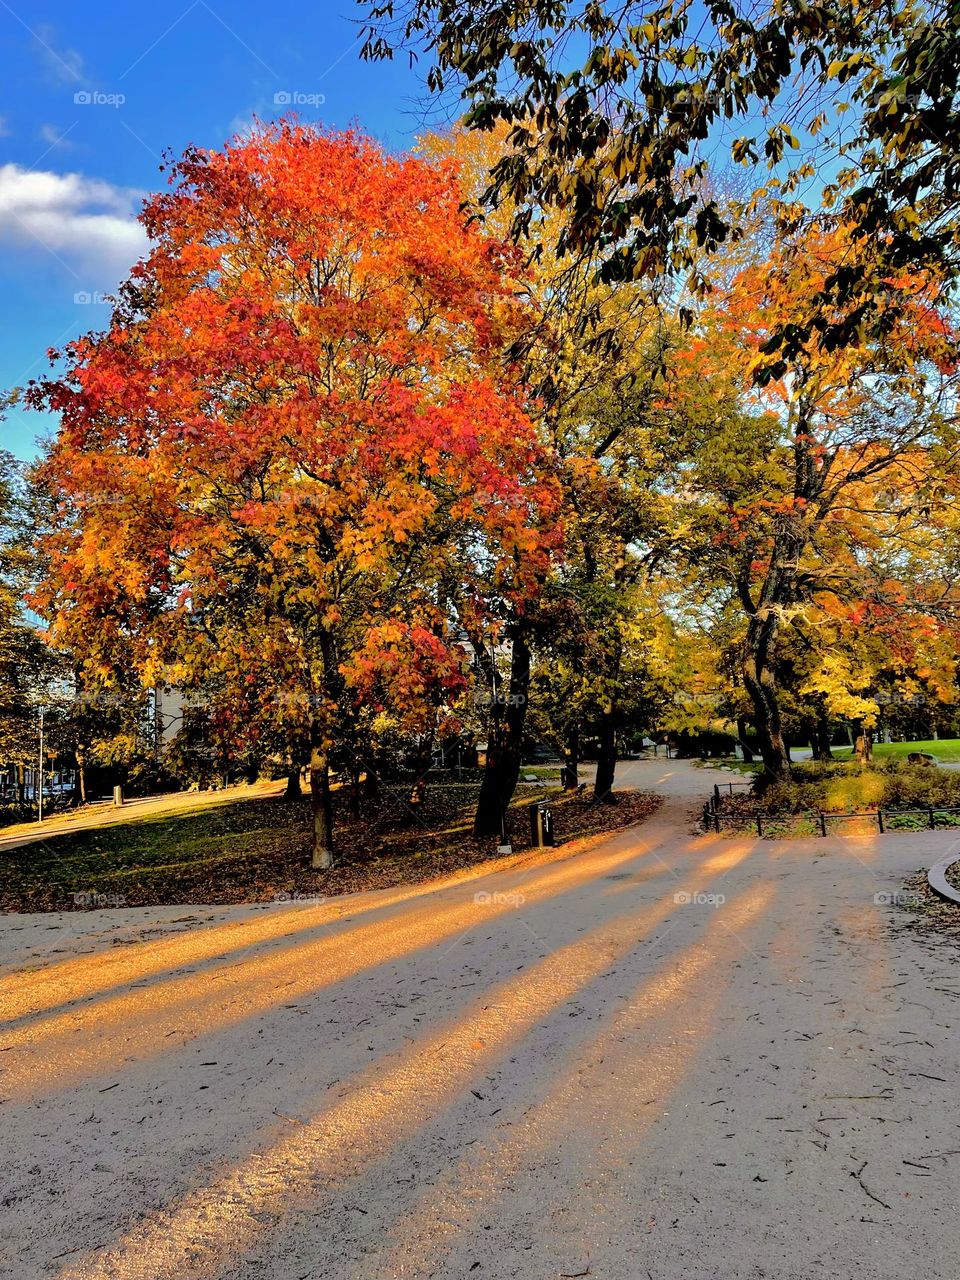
64	64
87	224
53	135
4	127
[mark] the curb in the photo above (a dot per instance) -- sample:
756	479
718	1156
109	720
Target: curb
938	882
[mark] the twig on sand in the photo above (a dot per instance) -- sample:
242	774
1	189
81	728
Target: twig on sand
865	1189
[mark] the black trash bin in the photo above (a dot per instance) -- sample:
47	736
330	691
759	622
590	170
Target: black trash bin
541	825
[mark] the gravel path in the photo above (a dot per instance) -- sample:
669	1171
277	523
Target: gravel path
674	1057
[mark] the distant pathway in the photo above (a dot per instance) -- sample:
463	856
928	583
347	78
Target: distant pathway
103	813
674	1057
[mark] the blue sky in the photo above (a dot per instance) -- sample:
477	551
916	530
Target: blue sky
94	93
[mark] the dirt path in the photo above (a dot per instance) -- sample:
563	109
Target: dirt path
669	1057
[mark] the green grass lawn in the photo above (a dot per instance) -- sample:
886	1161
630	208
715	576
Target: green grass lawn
732	763
942	748
545	772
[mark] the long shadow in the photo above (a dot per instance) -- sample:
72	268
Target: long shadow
464	1192
22	994
384	1104
192	1004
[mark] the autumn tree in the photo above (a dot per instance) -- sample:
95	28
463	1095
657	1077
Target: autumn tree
612	434
270	463
839	461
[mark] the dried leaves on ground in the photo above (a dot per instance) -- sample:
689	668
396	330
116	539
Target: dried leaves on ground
258	850
932	911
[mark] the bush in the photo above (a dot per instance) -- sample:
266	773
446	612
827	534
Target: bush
856	791
846	788
790	797
912	787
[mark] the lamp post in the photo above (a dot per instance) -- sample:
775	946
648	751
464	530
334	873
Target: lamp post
504	838
40	775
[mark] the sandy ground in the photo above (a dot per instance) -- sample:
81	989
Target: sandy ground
667	1058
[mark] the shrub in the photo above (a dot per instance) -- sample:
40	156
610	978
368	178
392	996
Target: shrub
855	791
790	797
905	822
849	787
911	786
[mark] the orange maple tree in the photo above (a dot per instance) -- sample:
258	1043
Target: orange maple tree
298	459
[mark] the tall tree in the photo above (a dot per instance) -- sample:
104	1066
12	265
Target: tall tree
843	452
24	664
268	465
612	433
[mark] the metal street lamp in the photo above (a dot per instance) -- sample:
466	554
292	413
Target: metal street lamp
40	784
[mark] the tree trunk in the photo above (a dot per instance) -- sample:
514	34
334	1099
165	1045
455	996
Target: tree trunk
606	759
80	781
571	772
322	810
356	793
607	755
505	749
742	739
293	791
320	803
418	790
820	738
759	679
863	747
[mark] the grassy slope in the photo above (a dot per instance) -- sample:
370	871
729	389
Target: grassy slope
942	748
255	850
947	749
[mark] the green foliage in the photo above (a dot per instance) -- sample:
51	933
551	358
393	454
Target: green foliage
673	75
790	825
846	788
23	660
910	786
857	791
11	813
